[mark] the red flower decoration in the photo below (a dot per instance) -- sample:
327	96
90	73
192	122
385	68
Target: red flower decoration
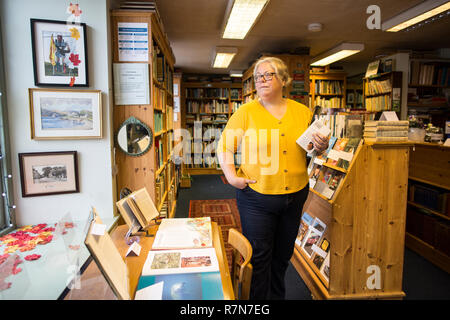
74	58
72	81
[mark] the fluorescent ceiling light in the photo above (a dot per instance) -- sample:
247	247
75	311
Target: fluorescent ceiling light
416	14
223	57
242	17
340	52
236	73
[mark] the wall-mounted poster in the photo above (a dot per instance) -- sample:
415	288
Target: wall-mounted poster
57	114
47	173
59	53
133	41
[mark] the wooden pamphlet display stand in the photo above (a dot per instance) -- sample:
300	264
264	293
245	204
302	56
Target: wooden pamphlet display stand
365	222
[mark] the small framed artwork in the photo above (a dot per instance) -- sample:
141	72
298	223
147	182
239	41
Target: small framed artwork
48	173
57	114
59	53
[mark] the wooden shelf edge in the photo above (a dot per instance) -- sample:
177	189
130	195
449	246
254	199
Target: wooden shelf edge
172	212
318	290
431	211
429	182
428	252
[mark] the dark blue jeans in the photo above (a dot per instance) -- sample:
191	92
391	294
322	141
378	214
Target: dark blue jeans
270	223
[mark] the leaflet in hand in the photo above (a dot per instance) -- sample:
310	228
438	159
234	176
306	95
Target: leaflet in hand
305	140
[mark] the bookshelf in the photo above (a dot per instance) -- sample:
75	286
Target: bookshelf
298	66
365	227
383	92
328	90
428	87
428	216
354	96
154	169
207	107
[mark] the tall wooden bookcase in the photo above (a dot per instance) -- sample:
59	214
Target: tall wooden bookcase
298	66
199	99
365	221
153	170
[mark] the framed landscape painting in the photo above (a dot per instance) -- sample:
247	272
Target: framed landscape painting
65	114
59	53
48	173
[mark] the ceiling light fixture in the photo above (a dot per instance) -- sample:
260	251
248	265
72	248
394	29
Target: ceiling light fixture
223	57
338	53
416	14
236	73
240	16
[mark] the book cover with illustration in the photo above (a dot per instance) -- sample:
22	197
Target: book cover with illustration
348	152
313	236
180	261
305	222
183	233
334	154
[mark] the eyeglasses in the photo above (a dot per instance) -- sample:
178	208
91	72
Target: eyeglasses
267	76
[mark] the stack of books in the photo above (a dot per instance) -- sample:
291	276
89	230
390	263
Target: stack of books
375	131
182	262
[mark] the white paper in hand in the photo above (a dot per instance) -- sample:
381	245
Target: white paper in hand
305	140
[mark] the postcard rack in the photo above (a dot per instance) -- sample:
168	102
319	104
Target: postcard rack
365	227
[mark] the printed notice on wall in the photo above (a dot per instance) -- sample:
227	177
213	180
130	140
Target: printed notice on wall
133	41
131	84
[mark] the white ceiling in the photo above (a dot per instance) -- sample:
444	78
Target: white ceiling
194	30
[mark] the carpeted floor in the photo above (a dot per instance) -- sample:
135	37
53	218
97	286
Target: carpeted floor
421	279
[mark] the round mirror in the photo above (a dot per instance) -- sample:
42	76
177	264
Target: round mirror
134	137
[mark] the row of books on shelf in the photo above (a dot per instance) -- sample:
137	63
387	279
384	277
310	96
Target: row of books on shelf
328	102
213	106
375	131
215	93
161	71
235	93
373	87
434	198
248	86
379	103
328	87
346	124
159	153
429	228
169	118
429	73
312	242
200	161
160	187
158	98
158	119
215	118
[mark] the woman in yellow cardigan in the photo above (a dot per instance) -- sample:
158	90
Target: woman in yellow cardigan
272	181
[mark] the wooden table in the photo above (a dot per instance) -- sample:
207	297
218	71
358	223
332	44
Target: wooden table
93	286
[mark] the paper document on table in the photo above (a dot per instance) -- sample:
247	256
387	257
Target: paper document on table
153	292
305	140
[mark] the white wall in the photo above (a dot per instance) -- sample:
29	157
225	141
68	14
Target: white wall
94	156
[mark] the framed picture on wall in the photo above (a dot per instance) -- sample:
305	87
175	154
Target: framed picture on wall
59	53
57	114
48	173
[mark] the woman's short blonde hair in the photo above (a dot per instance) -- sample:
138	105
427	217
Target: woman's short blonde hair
278	65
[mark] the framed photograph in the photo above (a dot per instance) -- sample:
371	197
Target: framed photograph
48	173
65	114
59	53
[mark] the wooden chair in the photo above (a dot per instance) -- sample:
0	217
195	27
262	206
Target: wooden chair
241	272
